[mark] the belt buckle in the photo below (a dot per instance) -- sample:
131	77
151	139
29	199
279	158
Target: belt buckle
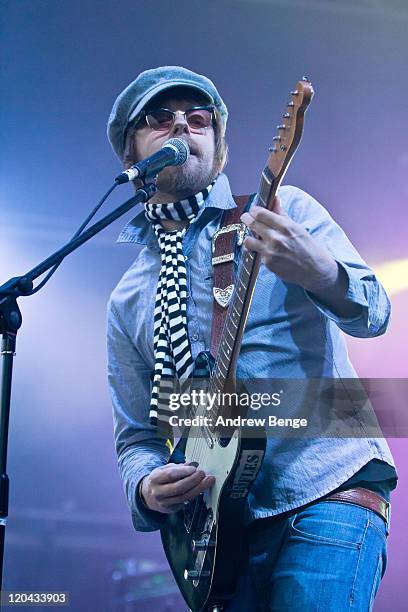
240	228
387	513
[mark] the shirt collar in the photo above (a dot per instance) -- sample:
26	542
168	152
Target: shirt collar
140	230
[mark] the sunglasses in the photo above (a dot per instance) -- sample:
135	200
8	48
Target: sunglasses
198	118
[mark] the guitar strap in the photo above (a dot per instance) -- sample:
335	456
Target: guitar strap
225	241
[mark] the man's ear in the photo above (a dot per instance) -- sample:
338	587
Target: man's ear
129	154
130	158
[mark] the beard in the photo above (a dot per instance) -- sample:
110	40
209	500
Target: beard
180	182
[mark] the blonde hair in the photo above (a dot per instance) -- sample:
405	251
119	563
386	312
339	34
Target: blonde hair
221	146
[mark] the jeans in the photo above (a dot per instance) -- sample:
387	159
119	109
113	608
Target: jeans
327	556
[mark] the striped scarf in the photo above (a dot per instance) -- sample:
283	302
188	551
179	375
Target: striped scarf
173	359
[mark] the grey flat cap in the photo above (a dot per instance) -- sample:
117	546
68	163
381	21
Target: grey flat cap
148	84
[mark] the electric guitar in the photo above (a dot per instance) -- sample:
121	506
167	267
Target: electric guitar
203	540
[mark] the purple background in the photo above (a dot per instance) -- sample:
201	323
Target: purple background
63	64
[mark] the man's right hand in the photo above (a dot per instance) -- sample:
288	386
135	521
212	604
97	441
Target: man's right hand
167	487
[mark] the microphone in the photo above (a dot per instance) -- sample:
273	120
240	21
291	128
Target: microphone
174	152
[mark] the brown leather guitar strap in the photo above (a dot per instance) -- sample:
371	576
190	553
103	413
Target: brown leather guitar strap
229	235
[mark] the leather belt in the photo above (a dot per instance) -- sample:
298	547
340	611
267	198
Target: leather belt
362	497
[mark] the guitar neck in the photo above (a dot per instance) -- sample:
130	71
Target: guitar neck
285	145
231	337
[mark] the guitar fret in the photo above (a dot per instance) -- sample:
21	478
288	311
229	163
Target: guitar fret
221	384
236	310
224	366
224	350
215	379
263	197
232	335
221	369
230	347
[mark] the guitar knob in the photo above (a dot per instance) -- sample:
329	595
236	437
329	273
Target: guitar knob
195	574
201	544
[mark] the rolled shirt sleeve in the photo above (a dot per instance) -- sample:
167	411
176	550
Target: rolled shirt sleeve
363	289
138	448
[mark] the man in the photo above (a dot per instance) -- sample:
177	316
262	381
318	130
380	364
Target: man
302	552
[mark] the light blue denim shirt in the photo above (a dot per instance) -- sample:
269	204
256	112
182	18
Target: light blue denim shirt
288	335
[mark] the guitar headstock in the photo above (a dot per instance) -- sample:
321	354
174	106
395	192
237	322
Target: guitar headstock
290	130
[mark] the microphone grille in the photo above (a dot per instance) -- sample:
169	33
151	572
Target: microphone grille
182	149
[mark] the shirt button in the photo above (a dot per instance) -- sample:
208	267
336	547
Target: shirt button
194	337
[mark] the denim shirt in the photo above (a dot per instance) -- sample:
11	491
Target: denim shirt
288	334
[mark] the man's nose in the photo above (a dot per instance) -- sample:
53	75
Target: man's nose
180	125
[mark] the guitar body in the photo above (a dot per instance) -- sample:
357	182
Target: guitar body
203	542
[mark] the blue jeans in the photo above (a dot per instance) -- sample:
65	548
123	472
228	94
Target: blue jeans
327	556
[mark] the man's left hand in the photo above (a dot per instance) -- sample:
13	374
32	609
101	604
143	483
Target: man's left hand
288	249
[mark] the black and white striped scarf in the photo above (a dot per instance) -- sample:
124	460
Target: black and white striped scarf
173	360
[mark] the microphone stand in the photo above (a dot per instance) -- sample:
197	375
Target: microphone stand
10	322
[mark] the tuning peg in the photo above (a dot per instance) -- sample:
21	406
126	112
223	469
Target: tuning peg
286	116
304	78
272	149
277	138
281	127
294	93
291	103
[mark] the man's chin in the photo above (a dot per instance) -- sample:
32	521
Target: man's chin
183	181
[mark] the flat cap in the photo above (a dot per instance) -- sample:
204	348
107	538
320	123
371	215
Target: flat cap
148	84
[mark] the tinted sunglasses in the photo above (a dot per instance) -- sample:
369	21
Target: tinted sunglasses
198	118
